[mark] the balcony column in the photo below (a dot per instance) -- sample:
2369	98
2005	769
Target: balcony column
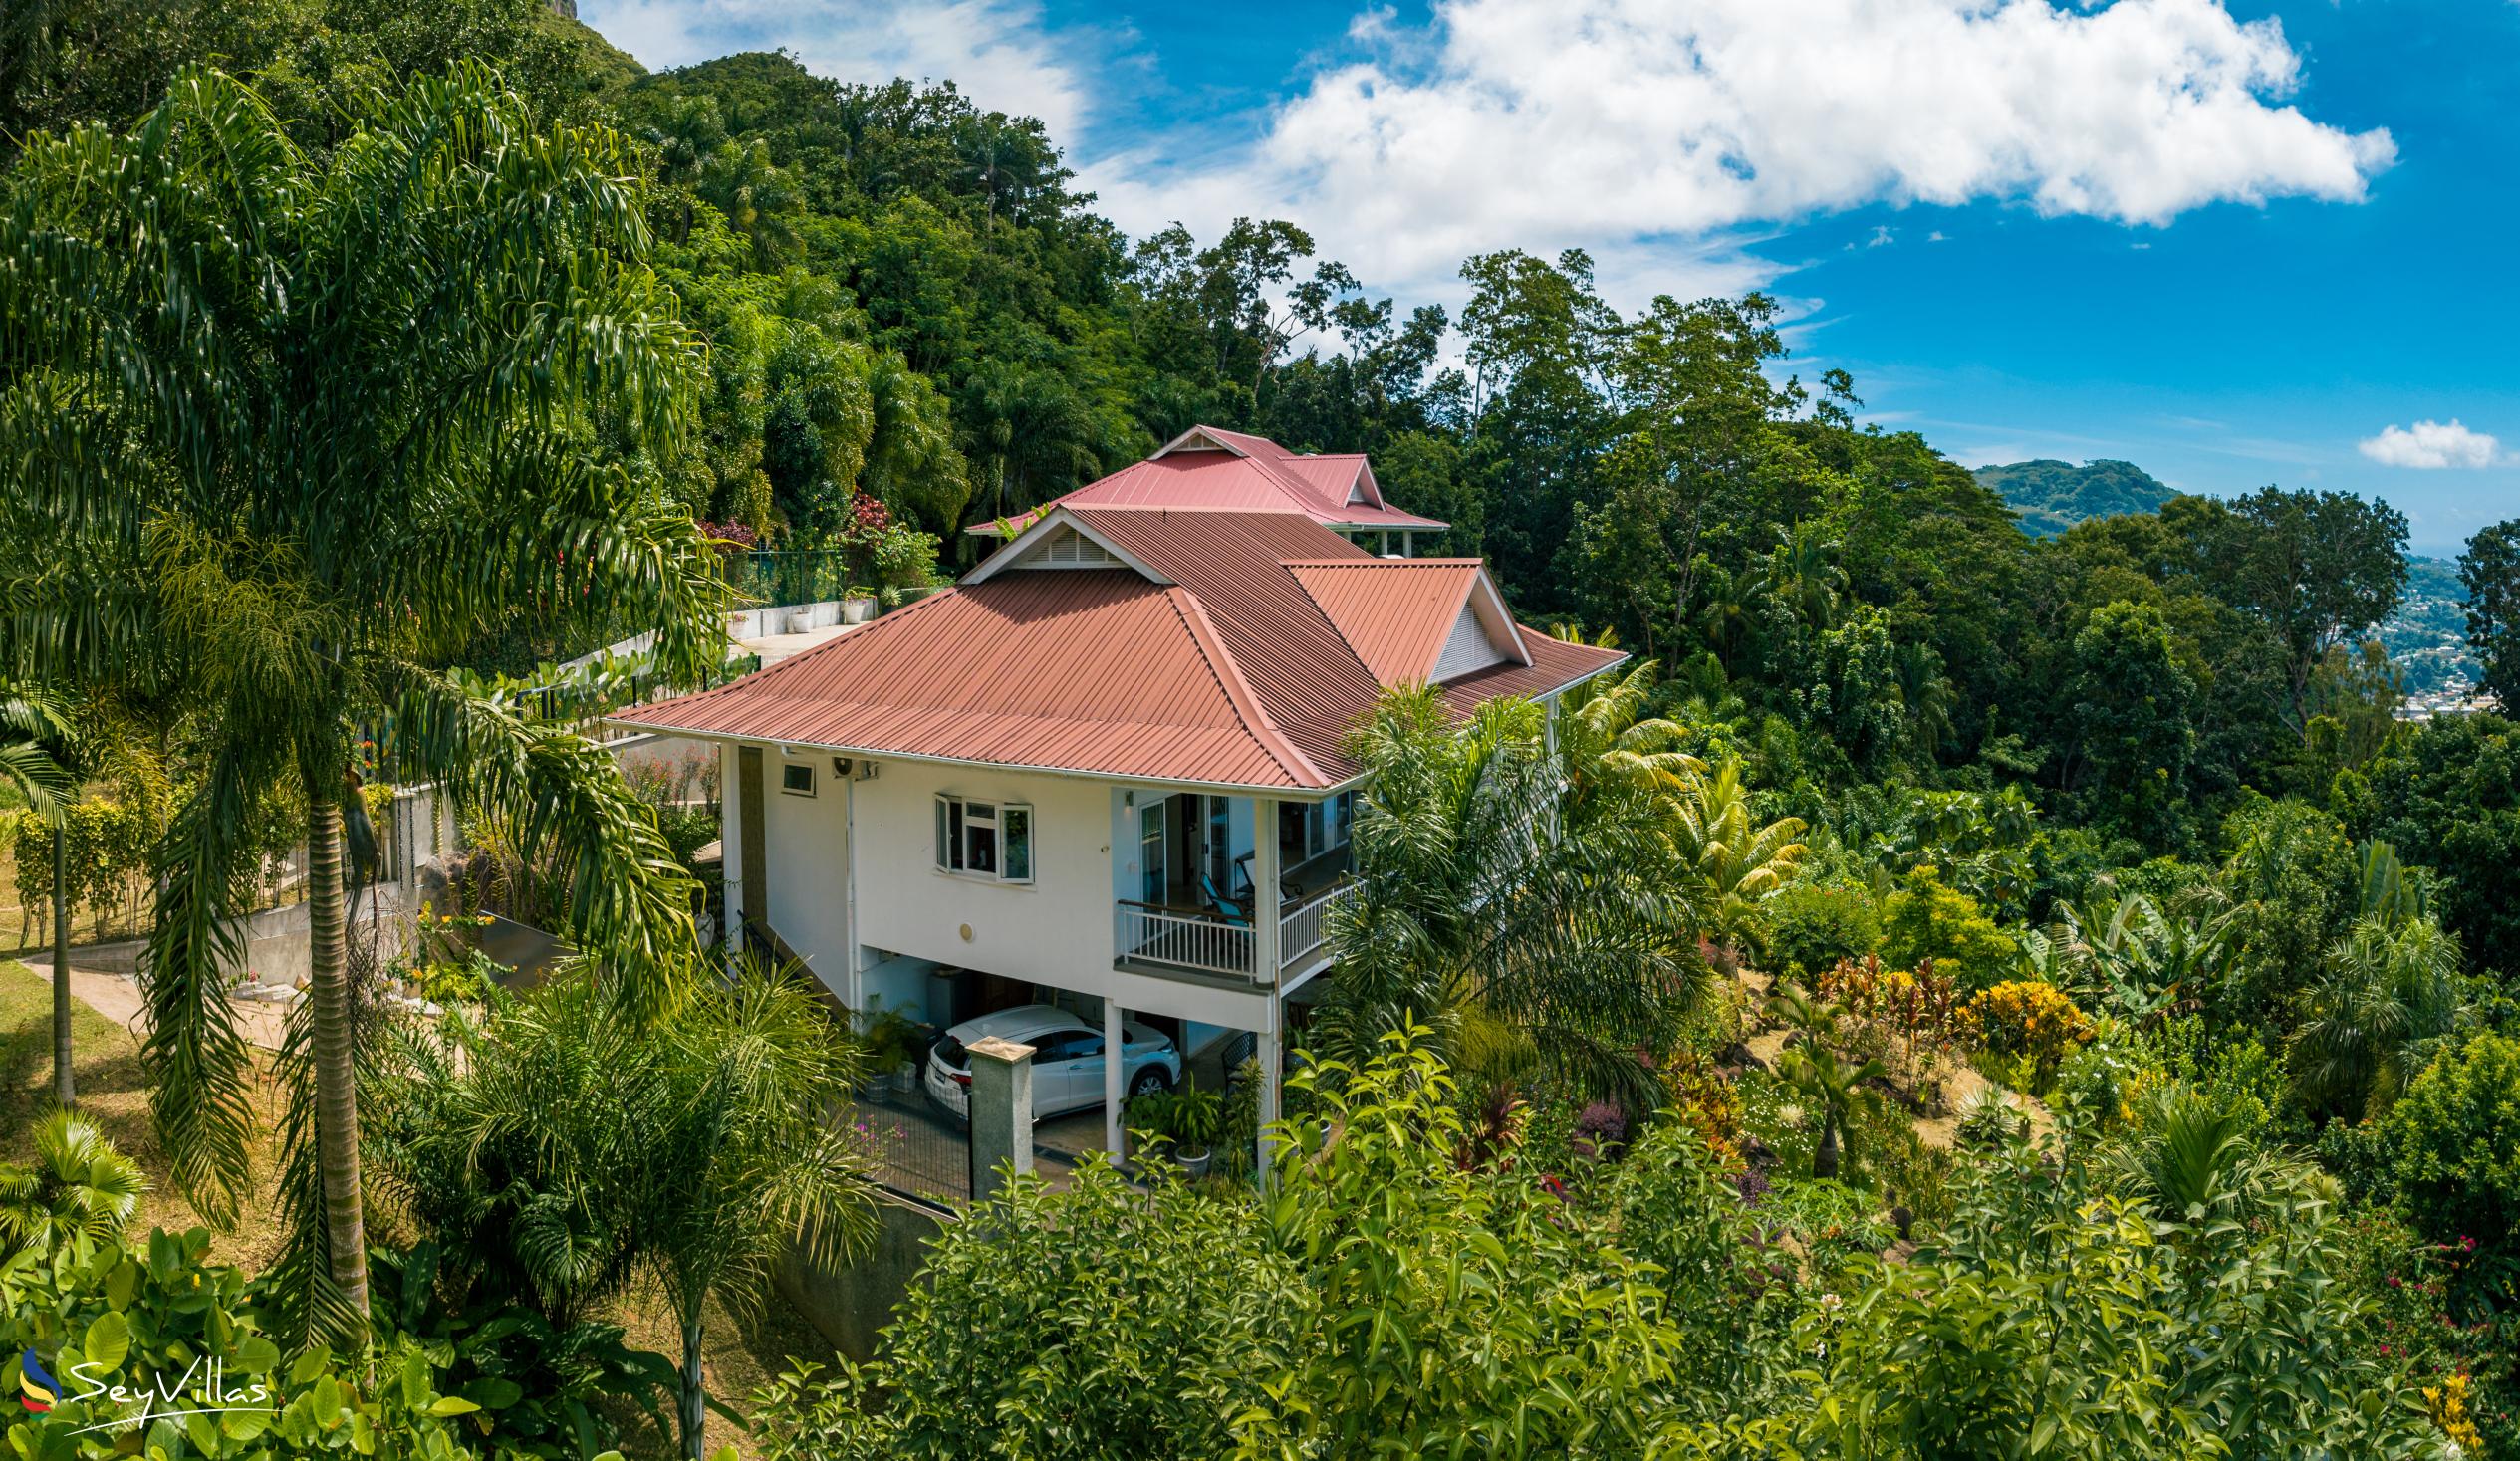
1115	1062
1266	965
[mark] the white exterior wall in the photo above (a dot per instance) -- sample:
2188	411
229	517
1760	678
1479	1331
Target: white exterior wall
1055	929
807	866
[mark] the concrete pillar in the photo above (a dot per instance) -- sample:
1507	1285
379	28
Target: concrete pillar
1001	1113
1265	961
1115	1046
1272	1060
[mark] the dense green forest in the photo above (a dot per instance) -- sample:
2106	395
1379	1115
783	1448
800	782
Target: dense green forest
2116	816
2052	496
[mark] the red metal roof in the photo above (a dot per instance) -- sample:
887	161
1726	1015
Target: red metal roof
1554	663
1395	612
1083	671
1245	473
1234	673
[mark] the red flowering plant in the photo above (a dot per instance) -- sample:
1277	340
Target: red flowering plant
730	537
2427	1311
862	532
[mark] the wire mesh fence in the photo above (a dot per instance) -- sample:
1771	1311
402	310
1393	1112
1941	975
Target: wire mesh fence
920	1151
790	576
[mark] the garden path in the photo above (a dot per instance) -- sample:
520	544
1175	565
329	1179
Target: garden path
117	998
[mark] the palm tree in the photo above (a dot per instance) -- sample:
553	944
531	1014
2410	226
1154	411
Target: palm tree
77	1193
1926	692
2387	993
566	1154
325	420
2191	1158
1487	888
1732	861
1833	1090
34	735
1608	743
1804	572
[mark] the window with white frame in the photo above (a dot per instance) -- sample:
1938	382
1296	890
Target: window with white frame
987	839
796	780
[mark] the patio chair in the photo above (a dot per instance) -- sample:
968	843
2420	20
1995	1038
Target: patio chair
1222	906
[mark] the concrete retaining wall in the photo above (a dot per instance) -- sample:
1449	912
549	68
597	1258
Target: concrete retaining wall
276	941
850	1305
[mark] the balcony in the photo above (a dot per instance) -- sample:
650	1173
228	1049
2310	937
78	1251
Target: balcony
1207	943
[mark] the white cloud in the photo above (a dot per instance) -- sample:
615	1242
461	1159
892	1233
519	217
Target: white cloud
1621	124
998	52
2433	446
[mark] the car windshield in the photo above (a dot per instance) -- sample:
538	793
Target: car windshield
949	1053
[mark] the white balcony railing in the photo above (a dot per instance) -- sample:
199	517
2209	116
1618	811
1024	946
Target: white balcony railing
1184	939
1304	929
1209	943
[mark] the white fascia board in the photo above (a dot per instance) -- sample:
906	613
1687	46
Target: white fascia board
1015	548
1496	618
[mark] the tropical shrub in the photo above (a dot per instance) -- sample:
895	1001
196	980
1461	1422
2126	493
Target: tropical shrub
1699	1098
546	1391
2031	1020
1927	921
2427	1309
2455	1141
2050	1319
1812	926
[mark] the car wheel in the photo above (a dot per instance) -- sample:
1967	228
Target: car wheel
1147	1081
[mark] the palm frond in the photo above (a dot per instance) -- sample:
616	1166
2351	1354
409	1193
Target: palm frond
200	1099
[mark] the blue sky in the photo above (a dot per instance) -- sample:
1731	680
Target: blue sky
2233	243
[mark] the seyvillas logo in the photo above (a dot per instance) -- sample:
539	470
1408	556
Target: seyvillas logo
203	1389
39	1391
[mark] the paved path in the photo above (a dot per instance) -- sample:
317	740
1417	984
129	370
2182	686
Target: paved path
117	998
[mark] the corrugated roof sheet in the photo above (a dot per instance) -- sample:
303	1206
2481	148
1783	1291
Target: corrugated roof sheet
1554	663
1081	669
1395	612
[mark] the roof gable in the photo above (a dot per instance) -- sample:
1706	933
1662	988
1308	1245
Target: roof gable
1405	615
1059	541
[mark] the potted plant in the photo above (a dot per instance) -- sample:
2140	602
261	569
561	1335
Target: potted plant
891	1044
856	604
1195	1115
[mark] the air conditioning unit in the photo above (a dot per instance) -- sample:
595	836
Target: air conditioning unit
856	768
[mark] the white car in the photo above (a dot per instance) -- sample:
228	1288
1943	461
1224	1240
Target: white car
1067	1060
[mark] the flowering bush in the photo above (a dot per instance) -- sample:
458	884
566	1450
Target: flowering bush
2428	1312
2025	1017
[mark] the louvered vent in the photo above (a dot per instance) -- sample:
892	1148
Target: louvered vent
1067	549
1468	648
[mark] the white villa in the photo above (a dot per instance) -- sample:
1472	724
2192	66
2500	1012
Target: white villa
1104	770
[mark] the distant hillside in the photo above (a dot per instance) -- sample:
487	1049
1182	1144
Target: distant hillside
2427	636
2052	496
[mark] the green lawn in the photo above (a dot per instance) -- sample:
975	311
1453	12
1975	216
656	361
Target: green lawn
107	1066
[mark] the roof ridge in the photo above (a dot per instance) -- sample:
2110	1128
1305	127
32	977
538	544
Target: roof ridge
1369	561
1238	692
